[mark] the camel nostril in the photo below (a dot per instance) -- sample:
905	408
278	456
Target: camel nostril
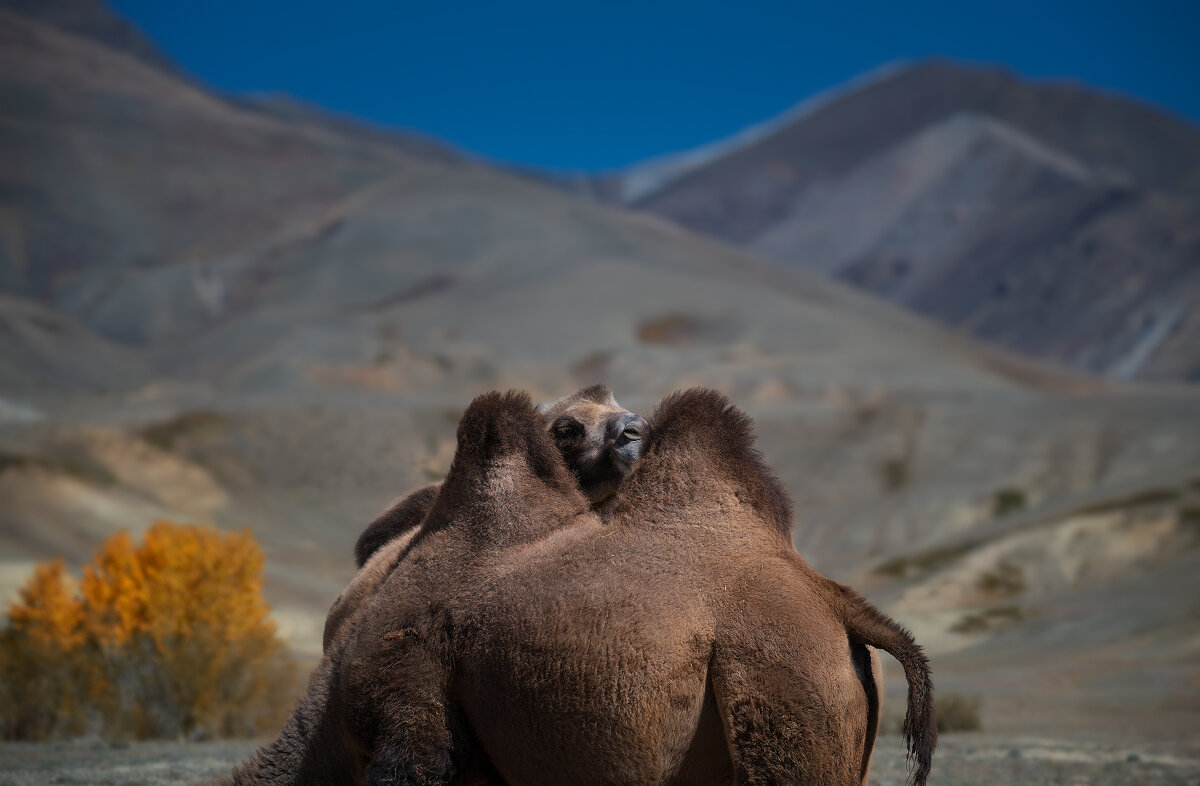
628	428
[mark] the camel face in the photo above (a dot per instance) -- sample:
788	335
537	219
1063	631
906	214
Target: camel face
599	440
600	444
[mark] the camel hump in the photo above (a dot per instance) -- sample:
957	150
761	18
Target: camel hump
708	427
702	416
497	426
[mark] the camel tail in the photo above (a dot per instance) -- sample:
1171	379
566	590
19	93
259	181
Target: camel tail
868	625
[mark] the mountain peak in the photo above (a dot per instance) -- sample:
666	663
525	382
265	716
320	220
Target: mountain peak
1020	211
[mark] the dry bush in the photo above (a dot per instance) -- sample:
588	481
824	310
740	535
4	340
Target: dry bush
1189	518
672	329
169	638
988	620
895	472
169	433
1008	500
1006	579
956	712
919	564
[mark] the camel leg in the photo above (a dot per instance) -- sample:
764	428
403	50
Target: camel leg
407	723
793	708
870	674
312	748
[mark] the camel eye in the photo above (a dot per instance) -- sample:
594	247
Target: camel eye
566	428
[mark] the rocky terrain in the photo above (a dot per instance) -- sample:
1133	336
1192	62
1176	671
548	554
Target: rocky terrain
1049	218
962	760
258	317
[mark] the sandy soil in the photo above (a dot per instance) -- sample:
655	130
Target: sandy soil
962	760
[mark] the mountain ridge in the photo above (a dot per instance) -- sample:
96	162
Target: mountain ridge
800	189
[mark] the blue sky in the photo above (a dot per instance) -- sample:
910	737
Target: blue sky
592	86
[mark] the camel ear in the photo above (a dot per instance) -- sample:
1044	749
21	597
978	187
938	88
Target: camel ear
600	394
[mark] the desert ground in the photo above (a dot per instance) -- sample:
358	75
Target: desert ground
975	759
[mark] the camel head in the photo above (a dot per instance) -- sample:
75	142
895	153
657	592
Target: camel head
599	440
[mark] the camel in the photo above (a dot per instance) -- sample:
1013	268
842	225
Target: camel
598	439
673	636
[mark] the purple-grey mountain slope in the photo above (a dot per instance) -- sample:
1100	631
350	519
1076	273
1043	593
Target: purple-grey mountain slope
1049	218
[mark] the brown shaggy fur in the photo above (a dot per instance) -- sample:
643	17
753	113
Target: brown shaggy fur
677	639
581	426
585	426
404	514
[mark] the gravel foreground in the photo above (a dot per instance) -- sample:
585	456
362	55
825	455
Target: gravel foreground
962	760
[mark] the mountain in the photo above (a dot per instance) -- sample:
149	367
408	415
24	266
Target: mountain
1049	218
94	19
266	318
177	224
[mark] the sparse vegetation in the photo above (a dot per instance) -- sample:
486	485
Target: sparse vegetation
1189	517
925	561
988	620
1189	522
956	712
1008	500
1006	579
671	329
76	466
164	639
167	434
895	473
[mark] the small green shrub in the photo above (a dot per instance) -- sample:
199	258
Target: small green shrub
1008	500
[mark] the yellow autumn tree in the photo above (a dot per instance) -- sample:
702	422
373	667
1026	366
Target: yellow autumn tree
40	658
48	611
172	636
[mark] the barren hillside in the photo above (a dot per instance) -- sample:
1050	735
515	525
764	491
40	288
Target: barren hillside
271	320
1050	218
